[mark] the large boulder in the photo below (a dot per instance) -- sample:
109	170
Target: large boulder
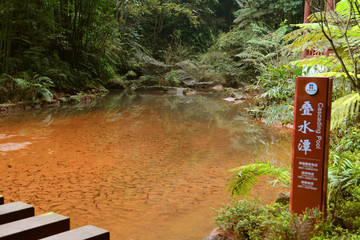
147	80
188	66
181	76
150	66
190	75
116	82
185	74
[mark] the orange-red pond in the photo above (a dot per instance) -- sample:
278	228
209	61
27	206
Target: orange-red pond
145	166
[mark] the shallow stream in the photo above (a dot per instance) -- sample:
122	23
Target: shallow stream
145	166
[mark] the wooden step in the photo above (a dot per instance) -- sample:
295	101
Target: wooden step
15	211
82	233
34	228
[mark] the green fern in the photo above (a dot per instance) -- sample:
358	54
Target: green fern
46	81
245	177
244	55
343	173
22	83
239	3
43	92
337	30
344	108
262	46
344	64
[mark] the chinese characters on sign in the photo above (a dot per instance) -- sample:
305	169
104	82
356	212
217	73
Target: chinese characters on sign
304	145
310	143
306	108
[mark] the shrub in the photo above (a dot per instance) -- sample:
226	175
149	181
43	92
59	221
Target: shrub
248	219
25	87
275	102
223	68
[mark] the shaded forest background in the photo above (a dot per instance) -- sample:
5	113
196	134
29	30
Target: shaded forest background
69	46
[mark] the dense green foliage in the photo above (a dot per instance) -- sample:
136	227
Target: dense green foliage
256	44
249	219
256	38
276	101
261	59
269	13
343	173
337	31
65	42
83	45
252	220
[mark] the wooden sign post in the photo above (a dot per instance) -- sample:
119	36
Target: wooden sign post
310	143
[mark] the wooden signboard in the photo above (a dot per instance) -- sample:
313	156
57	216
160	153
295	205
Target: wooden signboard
310	152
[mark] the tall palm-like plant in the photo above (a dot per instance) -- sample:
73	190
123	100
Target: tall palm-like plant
337	31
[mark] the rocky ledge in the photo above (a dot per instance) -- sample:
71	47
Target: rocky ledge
21	106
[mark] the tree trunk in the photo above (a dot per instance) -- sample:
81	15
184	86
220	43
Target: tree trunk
307	10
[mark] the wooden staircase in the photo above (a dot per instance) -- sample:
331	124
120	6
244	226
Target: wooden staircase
18	222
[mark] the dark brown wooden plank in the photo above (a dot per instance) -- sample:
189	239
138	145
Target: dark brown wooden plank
83	233
15	211
34	228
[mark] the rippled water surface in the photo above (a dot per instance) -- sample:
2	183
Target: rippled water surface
142	165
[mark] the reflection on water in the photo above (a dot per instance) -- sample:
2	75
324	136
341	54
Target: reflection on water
143	165
5	147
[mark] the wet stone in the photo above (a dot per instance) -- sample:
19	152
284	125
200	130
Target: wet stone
283	198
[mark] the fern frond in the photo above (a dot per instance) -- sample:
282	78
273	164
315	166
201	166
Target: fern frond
245	177
259	14
239	3
343	173
243	14
331	65
258	54
280	33
270	55
22	83
331	74
344	108
343	7
45	80
46	94
245	55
